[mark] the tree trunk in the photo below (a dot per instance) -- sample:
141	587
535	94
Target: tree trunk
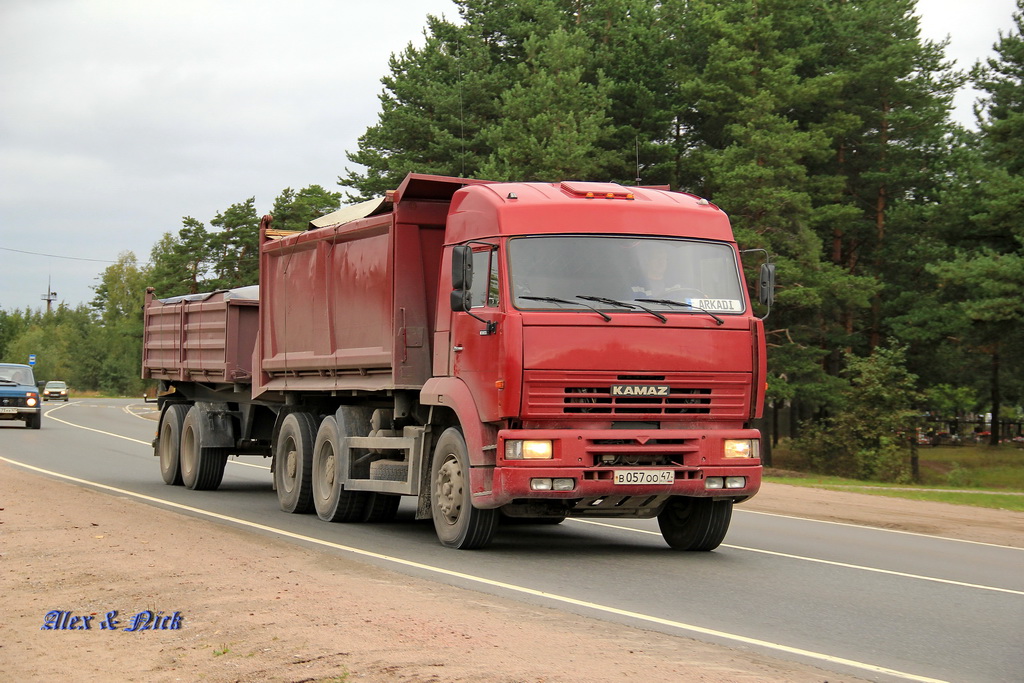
993	439
915	461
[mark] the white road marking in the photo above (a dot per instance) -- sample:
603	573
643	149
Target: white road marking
875	528
127	438
50	416
816	560
554	597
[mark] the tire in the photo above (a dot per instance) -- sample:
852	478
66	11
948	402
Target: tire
381	507
202	466
34	421
457	523
293	463
332	502
698	524
168	446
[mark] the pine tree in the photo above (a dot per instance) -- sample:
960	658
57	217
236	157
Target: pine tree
551	123
548	89
178	264
888	122
294	210
235	249
984	281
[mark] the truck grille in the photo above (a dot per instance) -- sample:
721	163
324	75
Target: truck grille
639	452
13	402
557	395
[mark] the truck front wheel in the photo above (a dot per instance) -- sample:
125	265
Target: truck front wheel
293	462
169	445
695	523
458	524
332	502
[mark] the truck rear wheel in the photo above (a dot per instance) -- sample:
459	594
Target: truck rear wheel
332	502
381	507
293	462
168	447
458	524
695	523
202	466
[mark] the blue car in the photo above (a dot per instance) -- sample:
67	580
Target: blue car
19	395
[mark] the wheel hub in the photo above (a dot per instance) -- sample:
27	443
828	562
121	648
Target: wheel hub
329	471
448	490
291	464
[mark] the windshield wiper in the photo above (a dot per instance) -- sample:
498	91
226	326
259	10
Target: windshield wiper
615	302
670	302
556	300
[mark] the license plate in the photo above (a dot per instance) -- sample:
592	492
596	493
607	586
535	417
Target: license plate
8	410
645	476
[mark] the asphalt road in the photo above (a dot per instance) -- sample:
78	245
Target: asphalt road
862	602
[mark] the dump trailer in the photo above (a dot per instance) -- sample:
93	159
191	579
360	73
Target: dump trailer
494	350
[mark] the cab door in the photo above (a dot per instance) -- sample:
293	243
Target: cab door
475	355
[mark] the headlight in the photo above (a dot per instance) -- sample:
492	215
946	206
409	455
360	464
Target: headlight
742	448
518	449
31	400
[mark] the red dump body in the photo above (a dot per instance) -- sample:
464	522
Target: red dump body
201	338
346	306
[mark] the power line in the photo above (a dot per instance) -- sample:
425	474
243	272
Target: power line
70	258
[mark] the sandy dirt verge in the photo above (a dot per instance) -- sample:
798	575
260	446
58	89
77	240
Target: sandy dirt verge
253	608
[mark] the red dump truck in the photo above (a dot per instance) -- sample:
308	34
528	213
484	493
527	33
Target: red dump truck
496	350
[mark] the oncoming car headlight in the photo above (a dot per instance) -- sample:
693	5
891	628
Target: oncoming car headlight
520	449
742	448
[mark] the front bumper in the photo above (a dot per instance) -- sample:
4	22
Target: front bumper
17	412
590	458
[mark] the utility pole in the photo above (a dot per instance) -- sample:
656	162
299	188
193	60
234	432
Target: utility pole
50	295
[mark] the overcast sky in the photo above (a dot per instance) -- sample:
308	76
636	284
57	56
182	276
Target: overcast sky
119	117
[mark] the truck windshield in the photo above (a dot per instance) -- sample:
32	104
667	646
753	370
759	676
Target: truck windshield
554	272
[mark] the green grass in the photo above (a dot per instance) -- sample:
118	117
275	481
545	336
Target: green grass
964	475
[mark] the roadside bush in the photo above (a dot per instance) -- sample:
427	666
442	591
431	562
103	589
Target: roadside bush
960	477
862	440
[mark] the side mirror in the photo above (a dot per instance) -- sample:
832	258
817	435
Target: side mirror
461	300
766	284
462	268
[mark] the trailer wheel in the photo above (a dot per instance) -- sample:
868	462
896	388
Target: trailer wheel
202	466
169	445
332	502
695	523
458	524
293	462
